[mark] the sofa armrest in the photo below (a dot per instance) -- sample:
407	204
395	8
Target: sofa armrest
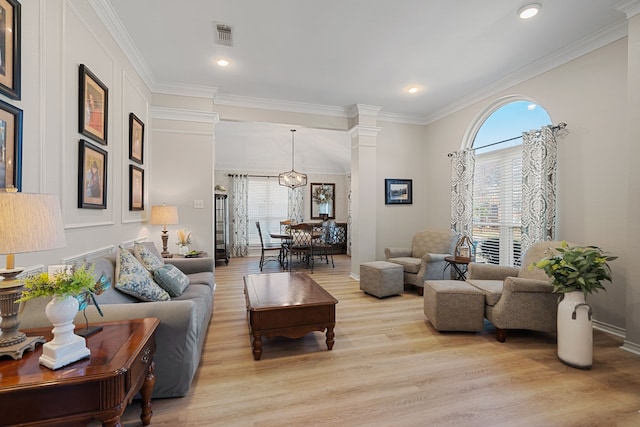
519	284
192	265
397	252
480	271
433	257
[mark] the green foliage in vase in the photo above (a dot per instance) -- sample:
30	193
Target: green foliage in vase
577	268
62	284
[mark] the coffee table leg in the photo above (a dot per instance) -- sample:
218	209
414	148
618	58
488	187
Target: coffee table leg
145	393
257	346
330	336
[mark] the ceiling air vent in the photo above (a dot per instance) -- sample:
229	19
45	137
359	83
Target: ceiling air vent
223	35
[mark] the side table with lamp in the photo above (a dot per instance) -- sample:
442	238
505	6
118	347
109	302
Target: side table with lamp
28	223
164	215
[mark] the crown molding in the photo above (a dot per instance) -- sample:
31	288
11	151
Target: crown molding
362	130
166	113
107	15
559	57
186	89
629	7
272	104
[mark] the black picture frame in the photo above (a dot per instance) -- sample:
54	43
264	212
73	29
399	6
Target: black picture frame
398	191
136	188
10	147
92	176
136	139
93	106
327	210
10	48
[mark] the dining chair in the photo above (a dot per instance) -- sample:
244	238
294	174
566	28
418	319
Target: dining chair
301	244
265	252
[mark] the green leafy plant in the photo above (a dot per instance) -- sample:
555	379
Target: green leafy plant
577	268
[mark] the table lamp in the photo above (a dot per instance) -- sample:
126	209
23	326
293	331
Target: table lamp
28	223
164	215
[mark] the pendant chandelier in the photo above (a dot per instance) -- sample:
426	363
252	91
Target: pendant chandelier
292	179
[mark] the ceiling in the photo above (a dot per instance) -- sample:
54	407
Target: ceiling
329	55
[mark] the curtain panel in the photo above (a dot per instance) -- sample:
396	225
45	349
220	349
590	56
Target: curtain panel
240	216
539	186
296	204
462	168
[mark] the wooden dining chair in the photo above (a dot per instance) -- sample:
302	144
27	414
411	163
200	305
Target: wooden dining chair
301	245
265	252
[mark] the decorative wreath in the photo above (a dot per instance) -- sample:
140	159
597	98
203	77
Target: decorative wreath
322	194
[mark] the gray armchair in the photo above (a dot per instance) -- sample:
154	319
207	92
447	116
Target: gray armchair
517	297
424	260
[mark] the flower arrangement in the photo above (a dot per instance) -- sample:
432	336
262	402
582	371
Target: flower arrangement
577	268
184	237
75	282
322	194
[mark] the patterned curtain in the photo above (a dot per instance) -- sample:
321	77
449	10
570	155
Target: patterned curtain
539	186
349	218
240	216
296	204
462	167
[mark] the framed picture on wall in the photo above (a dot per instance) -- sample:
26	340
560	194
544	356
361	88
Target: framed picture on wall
323	205
92	176
10	147
10	54
136	188
93	106
136	138
398	192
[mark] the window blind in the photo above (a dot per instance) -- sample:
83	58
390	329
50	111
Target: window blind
268	203
497	204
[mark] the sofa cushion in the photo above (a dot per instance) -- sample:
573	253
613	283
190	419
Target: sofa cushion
492	289
133	279
409	264
171	279
147	257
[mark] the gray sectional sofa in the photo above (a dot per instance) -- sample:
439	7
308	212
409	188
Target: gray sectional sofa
184	320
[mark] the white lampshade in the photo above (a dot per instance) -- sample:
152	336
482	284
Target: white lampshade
30	223
164	215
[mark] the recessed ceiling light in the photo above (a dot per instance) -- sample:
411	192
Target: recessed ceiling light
222	62
529	11
414	89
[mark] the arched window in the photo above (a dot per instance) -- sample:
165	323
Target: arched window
497	180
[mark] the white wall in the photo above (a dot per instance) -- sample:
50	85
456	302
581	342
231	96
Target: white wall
58	36
589	94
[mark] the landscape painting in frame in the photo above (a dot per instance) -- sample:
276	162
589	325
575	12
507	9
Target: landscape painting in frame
10	148
136	188
136	138
398	192
93	103
92	177
10	55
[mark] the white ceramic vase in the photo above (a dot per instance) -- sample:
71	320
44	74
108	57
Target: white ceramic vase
66	347
575	331
183	250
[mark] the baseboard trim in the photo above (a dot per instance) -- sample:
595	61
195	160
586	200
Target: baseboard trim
609	329
631	347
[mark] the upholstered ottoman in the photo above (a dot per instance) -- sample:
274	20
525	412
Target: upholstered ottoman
453	305
381	278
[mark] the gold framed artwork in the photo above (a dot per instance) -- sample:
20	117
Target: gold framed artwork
10	147
136	188
92	176
10	54
93	106
136	139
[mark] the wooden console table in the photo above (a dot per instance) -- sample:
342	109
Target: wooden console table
100	387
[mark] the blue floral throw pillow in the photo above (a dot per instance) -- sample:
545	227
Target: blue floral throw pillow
133	279
171	279
147	257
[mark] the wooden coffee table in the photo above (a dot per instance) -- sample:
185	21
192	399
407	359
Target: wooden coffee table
287	304
100	387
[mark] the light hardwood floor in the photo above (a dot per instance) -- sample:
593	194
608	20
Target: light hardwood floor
389	367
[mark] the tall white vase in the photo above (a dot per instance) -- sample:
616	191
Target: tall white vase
66	347
575	331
